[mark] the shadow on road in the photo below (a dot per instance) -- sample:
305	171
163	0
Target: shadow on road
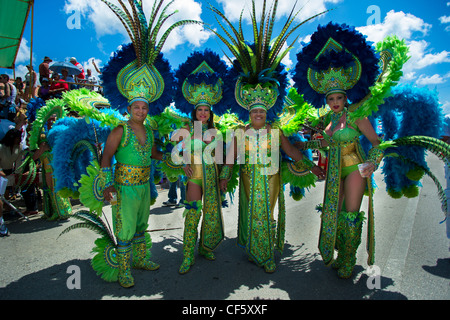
231	276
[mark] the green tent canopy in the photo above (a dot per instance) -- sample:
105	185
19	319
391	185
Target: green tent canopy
13	19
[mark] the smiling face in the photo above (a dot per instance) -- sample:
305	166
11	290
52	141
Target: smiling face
336	101
138	110
203	113
258	117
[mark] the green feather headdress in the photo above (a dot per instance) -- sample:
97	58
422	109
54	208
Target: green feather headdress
258	63
140	80
262	81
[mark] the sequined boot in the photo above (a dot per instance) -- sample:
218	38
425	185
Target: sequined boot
123	257
352	223
141	255
192	213
338	263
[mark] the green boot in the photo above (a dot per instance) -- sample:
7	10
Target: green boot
123	258
339	262
192	213
352	222
141	255
209	255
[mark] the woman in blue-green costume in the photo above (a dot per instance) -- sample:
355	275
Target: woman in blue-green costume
199	93
202	194
338	65
132	145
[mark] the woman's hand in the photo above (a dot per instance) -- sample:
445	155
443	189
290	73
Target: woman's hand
367	169
188	171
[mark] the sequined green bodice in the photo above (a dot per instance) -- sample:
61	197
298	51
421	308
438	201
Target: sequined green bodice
130	151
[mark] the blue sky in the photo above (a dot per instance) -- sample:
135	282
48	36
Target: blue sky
87	30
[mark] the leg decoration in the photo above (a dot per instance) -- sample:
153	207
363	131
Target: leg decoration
123	256
192	213
340	243
351	230
141	255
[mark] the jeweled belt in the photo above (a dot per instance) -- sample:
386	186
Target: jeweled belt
130	175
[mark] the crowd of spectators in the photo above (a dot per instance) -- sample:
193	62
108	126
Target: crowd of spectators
15	95
46	85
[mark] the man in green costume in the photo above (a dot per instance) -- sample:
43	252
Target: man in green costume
132	145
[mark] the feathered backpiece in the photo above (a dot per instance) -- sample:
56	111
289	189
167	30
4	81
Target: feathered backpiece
142	78
261	79
201	81
337	59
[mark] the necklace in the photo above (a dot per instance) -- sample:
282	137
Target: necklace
335	119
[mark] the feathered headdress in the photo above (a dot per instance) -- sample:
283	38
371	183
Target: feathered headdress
201	81
337	59
143	74
261	78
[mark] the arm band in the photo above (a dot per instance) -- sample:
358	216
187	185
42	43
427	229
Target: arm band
107	173
375	156
313	144
304	164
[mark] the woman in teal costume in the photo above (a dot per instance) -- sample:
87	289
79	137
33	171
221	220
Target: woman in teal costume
132	144
200	90
345	184
202	175
336	66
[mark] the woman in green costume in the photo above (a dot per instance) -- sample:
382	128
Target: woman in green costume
336	66
346	184
199	93
201	176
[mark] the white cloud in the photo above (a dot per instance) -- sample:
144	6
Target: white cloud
106	22
404	25
430	80
409	27
421	56
23	55
444	19
446	108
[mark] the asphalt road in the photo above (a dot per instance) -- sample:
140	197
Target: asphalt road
412	257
